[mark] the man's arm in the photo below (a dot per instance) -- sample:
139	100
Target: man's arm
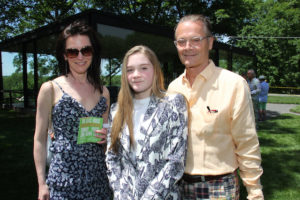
246	141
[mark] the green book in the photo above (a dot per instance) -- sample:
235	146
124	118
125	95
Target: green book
87	127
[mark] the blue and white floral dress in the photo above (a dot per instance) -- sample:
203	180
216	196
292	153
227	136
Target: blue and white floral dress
77	171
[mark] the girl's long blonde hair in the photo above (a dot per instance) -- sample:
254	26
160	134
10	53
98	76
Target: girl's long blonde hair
124	112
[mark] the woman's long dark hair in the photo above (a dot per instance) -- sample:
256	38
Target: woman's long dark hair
80	28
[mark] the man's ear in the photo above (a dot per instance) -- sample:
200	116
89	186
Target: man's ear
211	42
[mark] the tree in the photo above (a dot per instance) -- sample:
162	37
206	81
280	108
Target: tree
113	67
246	18
270	35
227	15
19	16
11	11
46	64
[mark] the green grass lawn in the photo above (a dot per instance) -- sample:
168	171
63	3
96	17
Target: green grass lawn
280	146
17	172
284	99
279	138
296	109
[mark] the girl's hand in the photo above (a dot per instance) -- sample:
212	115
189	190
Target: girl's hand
102	134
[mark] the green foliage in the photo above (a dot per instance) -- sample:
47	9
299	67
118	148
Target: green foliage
12	12
277	58
227	16
114	81
223	63
47	67
113	67
241	64
46	64
15	81
19	16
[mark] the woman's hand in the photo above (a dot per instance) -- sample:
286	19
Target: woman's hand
102	134
44	192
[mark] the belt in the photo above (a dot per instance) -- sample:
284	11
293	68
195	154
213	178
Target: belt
199	178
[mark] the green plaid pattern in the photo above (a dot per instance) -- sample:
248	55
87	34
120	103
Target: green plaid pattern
225	188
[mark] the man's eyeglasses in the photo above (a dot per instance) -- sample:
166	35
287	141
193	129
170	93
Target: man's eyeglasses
85	51
194	41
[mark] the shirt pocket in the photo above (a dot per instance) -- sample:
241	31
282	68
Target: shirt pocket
210	119
210	115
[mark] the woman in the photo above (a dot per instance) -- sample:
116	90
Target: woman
147	141
77	171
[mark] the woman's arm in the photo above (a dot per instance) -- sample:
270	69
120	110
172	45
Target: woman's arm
44	103
103	132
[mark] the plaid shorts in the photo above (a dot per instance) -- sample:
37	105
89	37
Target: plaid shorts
225	188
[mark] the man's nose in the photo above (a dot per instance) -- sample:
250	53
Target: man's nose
188	44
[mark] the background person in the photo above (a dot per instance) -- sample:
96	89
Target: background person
223	136
263	97
77	171
254	86
147	142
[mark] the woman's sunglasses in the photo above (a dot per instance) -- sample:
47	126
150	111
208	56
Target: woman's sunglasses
85	51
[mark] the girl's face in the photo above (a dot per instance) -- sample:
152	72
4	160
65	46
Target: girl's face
140	73
78	53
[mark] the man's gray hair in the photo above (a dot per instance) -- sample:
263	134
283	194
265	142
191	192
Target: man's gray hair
196	18
251	71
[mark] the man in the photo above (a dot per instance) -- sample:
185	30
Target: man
263	97
222	134
254	86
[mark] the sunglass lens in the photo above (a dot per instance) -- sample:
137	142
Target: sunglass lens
87	51
72	53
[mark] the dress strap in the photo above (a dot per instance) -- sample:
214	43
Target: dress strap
59	86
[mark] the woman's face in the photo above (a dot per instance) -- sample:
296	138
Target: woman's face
140	73
78	53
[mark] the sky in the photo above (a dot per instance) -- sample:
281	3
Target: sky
7	63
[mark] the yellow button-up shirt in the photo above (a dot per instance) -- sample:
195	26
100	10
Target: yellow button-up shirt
222	134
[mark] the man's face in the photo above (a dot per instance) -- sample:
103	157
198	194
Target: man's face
250	75
192	53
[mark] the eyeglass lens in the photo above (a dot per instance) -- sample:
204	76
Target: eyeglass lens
195	41
85	51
